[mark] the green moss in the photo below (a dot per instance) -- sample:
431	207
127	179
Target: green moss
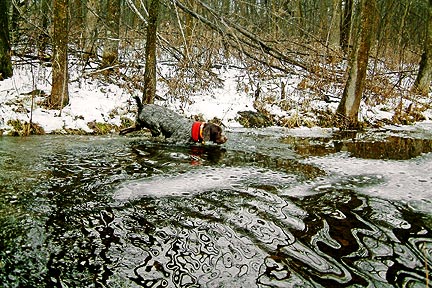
125	122
24	128
102	128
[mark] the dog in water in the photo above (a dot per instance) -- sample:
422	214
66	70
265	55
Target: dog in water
160	120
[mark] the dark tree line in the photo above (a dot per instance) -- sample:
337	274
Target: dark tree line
5	49
286	35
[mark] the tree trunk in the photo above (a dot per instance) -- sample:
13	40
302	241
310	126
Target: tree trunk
5	50
43	39
60	77
14	20
347	111
90	30
335	26
346	25
424	76
110	53
298	18
150	65
189	33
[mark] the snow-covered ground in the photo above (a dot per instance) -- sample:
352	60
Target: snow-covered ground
95	100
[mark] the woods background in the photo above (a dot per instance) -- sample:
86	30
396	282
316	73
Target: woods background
269	38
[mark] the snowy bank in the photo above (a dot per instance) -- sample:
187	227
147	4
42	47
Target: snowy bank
93	100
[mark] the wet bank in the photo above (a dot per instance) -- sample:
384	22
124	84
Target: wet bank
272	208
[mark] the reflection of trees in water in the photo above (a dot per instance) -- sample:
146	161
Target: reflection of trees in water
392	147
396	148
369	240
336	238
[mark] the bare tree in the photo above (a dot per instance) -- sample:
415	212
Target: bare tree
347	111
346	24
90	29
5	50
60	76
111	44
334	33
150	65
424	76
43	39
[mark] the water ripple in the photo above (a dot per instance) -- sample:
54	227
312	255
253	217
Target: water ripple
98	212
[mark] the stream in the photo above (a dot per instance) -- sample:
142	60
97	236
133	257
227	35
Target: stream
270	208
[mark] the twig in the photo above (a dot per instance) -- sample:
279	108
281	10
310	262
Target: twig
101	70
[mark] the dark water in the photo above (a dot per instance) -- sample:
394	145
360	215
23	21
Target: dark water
268	209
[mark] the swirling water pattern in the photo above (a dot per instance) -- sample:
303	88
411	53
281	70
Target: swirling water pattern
125	212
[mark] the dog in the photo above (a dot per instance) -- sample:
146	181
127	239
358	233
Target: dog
160	120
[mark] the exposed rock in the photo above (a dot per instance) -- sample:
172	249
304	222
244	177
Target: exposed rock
252	119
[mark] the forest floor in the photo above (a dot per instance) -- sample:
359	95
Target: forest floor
102	102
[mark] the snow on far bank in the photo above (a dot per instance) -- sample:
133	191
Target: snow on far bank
90	100
93	100
221	102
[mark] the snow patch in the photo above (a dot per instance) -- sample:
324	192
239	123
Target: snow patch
200	181
409	181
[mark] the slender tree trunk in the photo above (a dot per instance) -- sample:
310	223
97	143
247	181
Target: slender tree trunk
44	34
17	7
347	111
298	17
424	76
335	26
189	33
5	50
60	76
150	65
346	25
90	30
111	45
76	15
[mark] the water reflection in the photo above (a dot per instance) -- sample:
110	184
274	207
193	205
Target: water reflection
239	225
391	147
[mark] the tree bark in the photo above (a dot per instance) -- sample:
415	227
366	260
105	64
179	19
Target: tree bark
5	49
111	44
14	21
346	25
335	26
60	76
43	39
297	13
347	111
90	30
150	65
424	76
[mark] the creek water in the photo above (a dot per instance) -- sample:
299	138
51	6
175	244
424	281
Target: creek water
271	208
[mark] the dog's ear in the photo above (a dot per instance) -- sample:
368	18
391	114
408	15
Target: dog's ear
206	132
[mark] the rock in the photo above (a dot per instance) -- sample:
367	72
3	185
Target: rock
253	119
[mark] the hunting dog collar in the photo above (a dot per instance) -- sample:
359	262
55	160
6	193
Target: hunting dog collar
197	131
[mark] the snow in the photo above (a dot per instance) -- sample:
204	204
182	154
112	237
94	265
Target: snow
407	181
203	179
222	103
90	100
94	100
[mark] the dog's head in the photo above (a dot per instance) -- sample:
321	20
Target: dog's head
213	132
